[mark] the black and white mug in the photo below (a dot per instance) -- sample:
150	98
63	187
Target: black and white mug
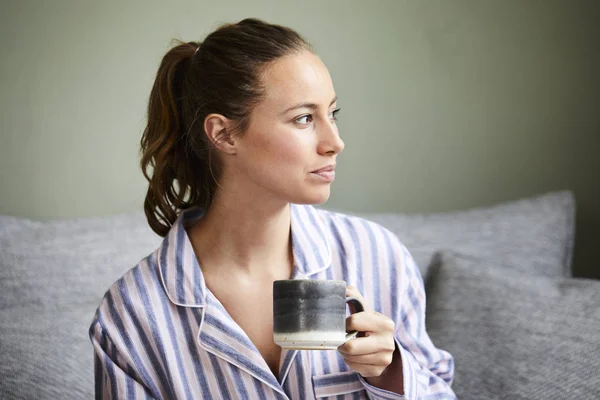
311	314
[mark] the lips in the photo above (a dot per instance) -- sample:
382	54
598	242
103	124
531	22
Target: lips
328	168
325	174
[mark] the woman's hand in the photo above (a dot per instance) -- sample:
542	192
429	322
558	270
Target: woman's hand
373	350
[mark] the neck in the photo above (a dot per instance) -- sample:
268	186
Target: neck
244	238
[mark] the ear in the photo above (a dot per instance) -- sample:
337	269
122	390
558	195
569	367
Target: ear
218	129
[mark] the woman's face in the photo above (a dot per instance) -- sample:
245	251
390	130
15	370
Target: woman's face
289	150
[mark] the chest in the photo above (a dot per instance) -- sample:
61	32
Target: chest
252	310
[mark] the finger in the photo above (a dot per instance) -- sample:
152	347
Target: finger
367	345
359	346
367	371
353	291
370	321
379	358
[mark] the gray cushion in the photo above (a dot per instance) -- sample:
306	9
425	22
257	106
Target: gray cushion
534	235
515	336
52	278
53	275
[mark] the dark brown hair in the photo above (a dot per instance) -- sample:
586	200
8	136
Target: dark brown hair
220	75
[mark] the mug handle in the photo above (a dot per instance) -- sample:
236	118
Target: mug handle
359	307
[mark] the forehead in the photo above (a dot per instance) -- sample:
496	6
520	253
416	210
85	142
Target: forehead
297	78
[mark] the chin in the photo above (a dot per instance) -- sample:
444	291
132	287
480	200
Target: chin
314	198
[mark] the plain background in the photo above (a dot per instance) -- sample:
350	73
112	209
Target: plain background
446	105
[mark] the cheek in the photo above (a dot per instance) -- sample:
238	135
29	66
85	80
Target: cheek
289	152
281	150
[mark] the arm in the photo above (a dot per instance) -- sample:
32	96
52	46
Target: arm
396	359
427	372
111	380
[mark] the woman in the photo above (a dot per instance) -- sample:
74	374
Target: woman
241	140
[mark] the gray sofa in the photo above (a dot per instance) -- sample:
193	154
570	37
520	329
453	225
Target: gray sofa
500	298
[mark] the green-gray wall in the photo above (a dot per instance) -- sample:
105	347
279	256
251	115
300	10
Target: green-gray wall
445	104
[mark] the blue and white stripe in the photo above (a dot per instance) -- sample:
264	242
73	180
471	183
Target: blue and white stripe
159	333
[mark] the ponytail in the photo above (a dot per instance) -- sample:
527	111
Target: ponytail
176	171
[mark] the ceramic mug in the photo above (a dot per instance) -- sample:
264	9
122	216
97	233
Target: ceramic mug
311	314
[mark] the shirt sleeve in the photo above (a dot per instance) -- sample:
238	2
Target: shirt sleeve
428	372
112	381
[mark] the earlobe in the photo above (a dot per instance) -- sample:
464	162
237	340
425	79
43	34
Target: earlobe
218	129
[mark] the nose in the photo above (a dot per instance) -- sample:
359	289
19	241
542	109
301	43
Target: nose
330	142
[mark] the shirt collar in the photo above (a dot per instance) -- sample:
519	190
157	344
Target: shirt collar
182	277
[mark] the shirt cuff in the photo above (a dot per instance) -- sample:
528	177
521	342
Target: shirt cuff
409	380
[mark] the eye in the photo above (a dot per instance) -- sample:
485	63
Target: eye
304	120
333	114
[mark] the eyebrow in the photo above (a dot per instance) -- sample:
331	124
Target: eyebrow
312	106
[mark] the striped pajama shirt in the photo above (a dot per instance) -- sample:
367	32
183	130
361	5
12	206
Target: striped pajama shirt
159	333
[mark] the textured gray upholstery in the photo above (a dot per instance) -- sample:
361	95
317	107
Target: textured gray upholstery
53	275
513	335
531	235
